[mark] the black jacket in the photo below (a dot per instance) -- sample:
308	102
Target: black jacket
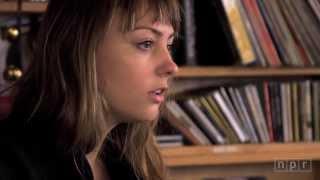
25	157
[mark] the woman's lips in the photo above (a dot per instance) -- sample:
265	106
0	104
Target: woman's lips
157	96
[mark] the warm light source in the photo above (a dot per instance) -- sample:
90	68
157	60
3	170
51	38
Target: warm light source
12	73
13	32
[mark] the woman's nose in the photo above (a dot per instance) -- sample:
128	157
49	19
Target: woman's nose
167	67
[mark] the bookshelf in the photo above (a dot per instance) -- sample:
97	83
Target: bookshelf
200	162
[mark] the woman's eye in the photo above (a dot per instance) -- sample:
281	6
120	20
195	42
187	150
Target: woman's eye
145	45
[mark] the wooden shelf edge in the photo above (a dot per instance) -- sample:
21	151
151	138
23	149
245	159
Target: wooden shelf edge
27	7
7	7
34	7
239	154
232	72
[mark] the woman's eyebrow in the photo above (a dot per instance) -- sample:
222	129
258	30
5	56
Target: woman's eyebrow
153	30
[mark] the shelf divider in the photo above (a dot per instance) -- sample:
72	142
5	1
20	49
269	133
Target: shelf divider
230	72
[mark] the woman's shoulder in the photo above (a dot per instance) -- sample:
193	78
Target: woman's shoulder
20	158
10	166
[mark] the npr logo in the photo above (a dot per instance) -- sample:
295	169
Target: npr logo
292	166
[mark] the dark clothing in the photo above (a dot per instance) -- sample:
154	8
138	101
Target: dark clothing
25	157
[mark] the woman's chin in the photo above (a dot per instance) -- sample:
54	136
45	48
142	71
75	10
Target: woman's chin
145	114
149	116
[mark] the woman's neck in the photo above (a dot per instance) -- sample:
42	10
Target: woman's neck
98	168
109	124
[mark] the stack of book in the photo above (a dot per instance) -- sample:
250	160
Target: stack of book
170	140
268	33
263	112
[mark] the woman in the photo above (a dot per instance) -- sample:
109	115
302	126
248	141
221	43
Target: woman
87	106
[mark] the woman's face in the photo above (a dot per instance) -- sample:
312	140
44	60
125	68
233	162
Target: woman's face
133	68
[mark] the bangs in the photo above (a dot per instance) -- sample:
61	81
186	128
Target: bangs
165	11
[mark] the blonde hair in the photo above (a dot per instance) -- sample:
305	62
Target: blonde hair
60	84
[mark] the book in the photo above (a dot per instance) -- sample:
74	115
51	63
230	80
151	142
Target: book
248	118
239	32
180	120
232	119
245	123
211	114
276	111
222	119
169	140
286	111
228	99
267	108
256	109
315	109
305	110
309	22
170	144
261	59
284	41
298	29
295	112
210	130
262	32
315	5
171	137
189	32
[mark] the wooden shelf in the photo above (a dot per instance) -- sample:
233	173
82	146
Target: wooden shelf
8	7
234	72
27	7
32	7
239	154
